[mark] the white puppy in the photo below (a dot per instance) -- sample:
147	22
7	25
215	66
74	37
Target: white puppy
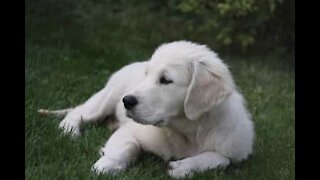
182	104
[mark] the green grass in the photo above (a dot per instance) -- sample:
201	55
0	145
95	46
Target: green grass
72	47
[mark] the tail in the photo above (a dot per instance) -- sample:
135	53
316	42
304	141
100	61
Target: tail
59	113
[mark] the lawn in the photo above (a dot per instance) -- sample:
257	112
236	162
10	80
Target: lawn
72	47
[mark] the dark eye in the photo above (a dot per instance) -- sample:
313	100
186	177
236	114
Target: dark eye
164	80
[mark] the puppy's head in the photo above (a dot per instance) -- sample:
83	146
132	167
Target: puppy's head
182	79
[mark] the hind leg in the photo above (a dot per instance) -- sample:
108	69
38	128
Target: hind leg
96	108
103	103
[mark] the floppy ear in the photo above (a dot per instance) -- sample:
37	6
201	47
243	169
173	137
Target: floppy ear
205	90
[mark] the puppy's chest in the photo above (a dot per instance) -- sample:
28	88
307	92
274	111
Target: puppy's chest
194	143
181	146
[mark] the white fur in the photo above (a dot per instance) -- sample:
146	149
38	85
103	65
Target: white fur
200	119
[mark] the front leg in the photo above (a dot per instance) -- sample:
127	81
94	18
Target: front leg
121	149
200	162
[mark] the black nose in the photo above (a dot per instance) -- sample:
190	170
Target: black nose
129	102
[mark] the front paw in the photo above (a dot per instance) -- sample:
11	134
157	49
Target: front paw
180	169
70	126
107	166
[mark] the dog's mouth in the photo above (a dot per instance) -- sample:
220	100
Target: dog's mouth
159	123
135	118
129	115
